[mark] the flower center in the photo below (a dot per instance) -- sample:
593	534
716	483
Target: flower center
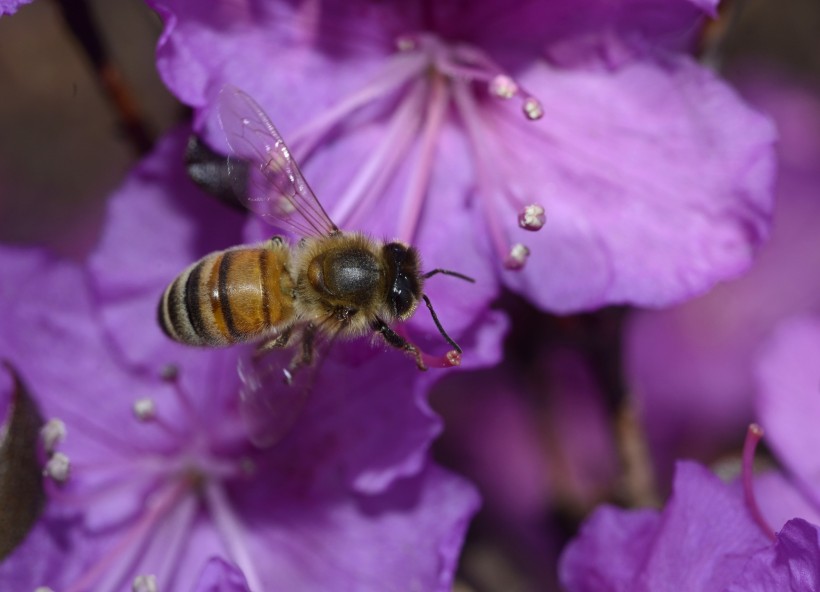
424	82
173	481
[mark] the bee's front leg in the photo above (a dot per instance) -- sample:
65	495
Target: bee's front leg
395	340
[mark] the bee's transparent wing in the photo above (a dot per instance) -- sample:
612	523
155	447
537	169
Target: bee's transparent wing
276	385
276	189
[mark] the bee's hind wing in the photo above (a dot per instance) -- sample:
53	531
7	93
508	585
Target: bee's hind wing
277	381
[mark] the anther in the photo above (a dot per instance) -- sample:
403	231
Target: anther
145	409
57	468
517	257
503	87
406	43
532	217
145	583
52	434
533	108
169	372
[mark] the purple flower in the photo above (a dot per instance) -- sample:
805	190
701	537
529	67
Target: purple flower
11	6
705	539
788	379
150	471
619	170
691	367
759	533
535	441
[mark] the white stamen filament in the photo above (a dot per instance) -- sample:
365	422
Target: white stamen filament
52	434
58	467
420	181
170	539
232	532
483	166
43	589
116	563
401	69
371	177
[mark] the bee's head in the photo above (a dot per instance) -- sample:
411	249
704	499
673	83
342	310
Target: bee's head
403	279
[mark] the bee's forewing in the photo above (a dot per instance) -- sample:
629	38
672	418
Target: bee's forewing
276	189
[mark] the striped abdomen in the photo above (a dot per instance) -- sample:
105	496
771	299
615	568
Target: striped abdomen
229	297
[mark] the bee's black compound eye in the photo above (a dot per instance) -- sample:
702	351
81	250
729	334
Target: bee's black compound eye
402	296
403	277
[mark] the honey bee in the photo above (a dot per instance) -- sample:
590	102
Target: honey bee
330	284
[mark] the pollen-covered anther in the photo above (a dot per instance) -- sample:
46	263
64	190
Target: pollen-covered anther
517	257
533	108
52	434
406	42
57	467
453	358
169	372
532	217
145	409
503	87
145	583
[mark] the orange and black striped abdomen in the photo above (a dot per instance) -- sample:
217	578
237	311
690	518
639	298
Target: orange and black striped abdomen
229	297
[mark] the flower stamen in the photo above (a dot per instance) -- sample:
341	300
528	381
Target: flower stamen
145	583
52	434
753	435
57	468
232	532
419	183
117	560
532	217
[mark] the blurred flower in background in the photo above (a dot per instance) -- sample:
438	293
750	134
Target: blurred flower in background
11	6
690	368
758	533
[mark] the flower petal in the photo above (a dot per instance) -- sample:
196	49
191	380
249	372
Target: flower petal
792	563
787	401
656	181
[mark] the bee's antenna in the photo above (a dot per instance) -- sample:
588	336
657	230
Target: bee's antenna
435	318
461	276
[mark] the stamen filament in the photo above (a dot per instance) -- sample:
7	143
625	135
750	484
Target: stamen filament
483	165
753	436
420	181
170	546
232	531
131	541
399	70
386	156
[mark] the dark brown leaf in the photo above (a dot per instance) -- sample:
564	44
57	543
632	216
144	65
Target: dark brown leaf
21	478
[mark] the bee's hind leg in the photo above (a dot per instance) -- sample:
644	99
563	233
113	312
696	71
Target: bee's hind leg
279	342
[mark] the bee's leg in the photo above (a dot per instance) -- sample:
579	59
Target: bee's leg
278	342
395	340
304	357
276	240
